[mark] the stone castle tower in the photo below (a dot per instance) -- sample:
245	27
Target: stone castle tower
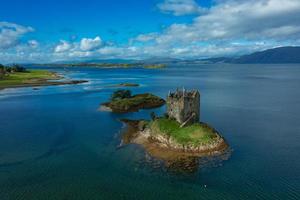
184	106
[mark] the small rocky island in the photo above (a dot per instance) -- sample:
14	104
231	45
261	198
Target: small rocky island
125	85
179	131
122	101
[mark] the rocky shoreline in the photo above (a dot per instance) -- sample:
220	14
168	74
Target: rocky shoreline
177	137
162	146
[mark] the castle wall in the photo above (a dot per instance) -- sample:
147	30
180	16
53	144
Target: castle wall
182	107
175	109
192	105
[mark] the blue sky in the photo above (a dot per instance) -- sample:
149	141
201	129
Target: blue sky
46	31
54	20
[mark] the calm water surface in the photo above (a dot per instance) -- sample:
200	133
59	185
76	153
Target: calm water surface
55	144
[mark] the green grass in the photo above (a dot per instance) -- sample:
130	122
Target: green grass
23	78
135	101
195	134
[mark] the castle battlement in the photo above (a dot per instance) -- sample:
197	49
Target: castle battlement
184	106
183	93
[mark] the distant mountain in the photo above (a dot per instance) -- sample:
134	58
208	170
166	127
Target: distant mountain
153	60
278	55
116	61
215	60
159	60
112	61
272	56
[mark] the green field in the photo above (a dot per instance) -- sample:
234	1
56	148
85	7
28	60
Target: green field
31	77
196	134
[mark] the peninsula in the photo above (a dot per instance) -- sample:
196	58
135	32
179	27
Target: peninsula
155	66
178	131
18	76
123	101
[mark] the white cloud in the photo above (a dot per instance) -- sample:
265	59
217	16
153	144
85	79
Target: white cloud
180	7
73	50
252	19
272	21
63	46
146	37
11	33
33	43
88	44
230	27
86	47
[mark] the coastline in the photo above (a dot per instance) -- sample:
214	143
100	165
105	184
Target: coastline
52	80
41	84
159	148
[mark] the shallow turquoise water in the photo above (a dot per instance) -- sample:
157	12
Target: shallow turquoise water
55	144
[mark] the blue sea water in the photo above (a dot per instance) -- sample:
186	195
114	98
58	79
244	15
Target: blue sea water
56	144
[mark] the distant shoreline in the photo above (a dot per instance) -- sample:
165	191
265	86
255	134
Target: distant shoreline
40	84
108	65
35	78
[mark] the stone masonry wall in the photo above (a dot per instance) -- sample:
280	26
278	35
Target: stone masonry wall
175	108
182	107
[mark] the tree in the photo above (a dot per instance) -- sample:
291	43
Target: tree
7	69
121	94
2	71
18	68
